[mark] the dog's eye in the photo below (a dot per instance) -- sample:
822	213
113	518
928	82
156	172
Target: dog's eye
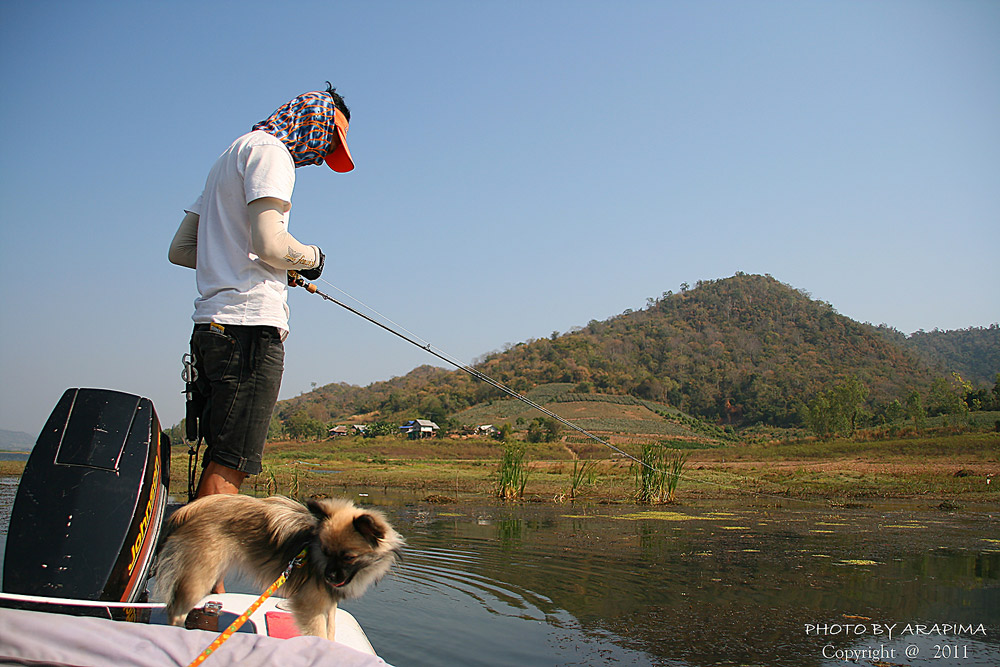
350	558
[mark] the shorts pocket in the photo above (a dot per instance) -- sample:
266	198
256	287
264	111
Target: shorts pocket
217	356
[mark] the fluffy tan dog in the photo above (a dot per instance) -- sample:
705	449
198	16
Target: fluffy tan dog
349	548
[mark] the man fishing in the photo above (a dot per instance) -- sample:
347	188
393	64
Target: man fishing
236	238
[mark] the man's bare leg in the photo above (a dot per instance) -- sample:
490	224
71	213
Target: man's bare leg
216	478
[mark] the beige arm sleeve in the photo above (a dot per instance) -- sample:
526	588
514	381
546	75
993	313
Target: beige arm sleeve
271	240
184	247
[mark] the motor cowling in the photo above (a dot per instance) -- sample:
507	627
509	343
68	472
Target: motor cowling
91	500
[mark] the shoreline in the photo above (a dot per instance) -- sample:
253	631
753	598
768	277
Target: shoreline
935	469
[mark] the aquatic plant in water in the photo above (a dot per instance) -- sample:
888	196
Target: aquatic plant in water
658	474
583	473
513	472
267	479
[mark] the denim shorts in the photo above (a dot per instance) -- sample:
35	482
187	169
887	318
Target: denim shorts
239	373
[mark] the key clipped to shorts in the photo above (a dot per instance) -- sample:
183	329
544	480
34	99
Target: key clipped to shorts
194	401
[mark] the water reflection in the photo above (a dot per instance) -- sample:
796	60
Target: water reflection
689	586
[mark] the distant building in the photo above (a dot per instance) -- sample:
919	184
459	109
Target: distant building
419	428
487	429
337	431
359	429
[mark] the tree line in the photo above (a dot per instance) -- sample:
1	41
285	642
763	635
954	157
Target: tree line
842	409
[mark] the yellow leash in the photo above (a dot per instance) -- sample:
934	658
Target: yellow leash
238	623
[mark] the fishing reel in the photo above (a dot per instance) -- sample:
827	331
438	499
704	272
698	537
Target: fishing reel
295	279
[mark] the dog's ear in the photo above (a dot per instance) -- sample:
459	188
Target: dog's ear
318	510
370	528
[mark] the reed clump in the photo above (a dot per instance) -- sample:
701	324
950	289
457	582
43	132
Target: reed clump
265	482
584	473
658	473
513	472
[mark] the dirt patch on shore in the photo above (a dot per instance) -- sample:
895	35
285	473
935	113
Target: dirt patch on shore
975	469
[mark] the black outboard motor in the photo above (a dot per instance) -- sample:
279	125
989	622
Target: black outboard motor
90	503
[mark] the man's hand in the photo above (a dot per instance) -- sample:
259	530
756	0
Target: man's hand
316	271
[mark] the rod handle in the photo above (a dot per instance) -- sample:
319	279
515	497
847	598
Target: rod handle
294	278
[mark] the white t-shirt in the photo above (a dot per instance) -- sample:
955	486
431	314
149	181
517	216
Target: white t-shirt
234	285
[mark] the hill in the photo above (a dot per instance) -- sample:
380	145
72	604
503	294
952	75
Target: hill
735	351
16	441
974	353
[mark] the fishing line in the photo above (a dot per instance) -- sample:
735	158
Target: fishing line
412	338
384	317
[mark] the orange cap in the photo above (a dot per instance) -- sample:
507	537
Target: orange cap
340	159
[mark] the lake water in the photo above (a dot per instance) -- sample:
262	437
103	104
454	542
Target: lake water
705	583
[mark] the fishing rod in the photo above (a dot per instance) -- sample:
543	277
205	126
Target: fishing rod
297	280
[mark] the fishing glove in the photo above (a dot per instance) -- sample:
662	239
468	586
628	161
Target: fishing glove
314	273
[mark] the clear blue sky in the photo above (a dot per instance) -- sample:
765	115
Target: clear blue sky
522	168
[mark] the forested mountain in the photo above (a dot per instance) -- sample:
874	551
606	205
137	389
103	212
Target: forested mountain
739	350
974	353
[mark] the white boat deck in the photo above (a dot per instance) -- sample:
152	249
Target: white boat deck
32	637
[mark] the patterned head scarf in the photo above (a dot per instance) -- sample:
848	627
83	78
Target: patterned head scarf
308	126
